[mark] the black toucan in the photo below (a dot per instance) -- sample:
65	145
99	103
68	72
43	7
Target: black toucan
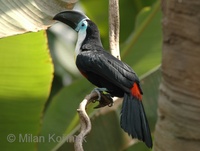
107	72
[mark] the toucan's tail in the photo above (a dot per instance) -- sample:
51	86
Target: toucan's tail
134	121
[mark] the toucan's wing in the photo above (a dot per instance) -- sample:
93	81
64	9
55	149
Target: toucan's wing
107	66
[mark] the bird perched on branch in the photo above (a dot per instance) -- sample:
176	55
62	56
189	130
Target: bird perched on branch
108	74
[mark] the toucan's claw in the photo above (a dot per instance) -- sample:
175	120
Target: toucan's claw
110	105
105	99
94	101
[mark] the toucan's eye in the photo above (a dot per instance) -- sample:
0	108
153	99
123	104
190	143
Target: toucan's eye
83	25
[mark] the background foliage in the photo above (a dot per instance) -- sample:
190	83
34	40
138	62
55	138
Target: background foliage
40	103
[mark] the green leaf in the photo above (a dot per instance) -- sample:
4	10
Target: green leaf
25	81
142	50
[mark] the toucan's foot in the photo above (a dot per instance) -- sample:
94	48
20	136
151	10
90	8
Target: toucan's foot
99	91
104	98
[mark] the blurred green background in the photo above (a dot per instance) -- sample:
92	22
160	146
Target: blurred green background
40	87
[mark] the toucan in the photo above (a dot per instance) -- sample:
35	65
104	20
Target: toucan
109	74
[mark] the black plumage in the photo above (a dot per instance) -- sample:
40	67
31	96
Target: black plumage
105	71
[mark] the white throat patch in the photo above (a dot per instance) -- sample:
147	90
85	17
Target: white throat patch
81	37
81	28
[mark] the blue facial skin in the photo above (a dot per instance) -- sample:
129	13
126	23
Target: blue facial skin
82	25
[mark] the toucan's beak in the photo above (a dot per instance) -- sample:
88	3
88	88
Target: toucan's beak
71	18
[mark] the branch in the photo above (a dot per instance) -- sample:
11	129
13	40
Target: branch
84	121
84	118
114	25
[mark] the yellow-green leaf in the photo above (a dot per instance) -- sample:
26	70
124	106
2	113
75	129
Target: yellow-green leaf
26	73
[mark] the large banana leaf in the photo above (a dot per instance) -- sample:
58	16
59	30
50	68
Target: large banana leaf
25	81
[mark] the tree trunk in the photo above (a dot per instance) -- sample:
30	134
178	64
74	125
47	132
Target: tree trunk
178	126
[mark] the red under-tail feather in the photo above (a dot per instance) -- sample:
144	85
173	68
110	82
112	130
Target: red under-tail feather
135	91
